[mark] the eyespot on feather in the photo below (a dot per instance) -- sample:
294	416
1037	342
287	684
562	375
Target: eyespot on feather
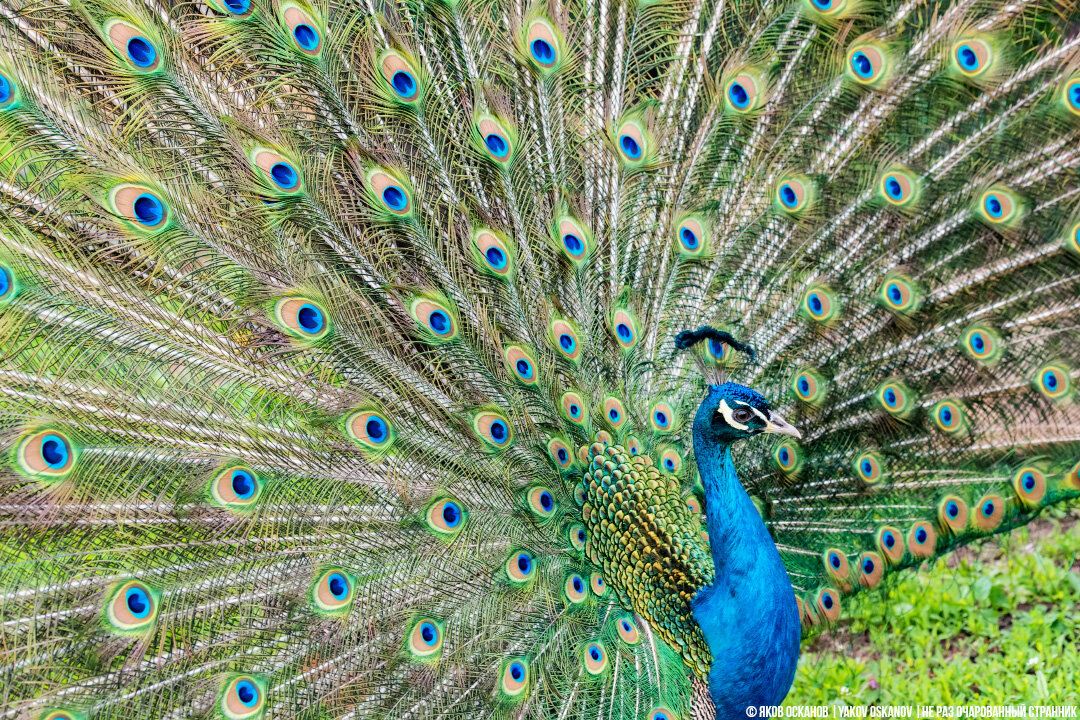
279	171
820	304
868	63
401	77
543	45
493	429
999	206
1071	481
794	194
573	409
633	446
425	640
496	139
594	658
9	92
61	715
304	30
988	513
922	539
576	536
514	677
435	318
627	629
973	57
302	318
889	541
808	386
370	428
520	568
662	418
895	398
899	187
391	194
1054	381
868	468
143	208
614	412
949	416
717	351
1072	239
788	458
597	584
670	460
694	504
836	564
632	143
1029	483
493	253
871	568
237	9
828	8
46	454
952	514
541	502
132	607
691	237
235	487
521	364
445	516
1070	94
564	337
982	344
827	603
242	697
560	453
744	91
574	590
661	713
899	294
137	48
624	327
333	591
574	241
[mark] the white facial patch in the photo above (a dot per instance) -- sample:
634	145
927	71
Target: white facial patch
728	414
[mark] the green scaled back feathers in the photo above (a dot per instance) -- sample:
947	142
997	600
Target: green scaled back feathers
337	367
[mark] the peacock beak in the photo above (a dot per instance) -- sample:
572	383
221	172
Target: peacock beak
780	426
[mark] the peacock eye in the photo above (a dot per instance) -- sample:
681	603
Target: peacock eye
741	416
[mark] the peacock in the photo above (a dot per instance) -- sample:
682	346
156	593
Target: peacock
514	358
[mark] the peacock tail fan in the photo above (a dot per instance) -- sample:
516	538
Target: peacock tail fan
337	337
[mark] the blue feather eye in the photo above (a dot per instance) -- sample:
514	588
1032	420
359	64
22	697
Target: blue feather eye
788	458
594	658
836	564
493	429
868	62
630	146
133	45
333	591
662	417
131	607
7	93
952	513
242	697
820	304
141	52
236	7
574	241
425	640
519	567
564	337
445	517
871	569
576	535
973	57
625	328
632	142
949	416
827	604
302	318
46	454
140	206
670	460
404	84
998	205
899	294
521	364
514	678
370	429
435	318
1070	94
982	344
889	542
541	502
303	28
542	41
808	386
1054	381
895	398
560	453
282	174
691	237
596	583
390	194
1029	484
614	412
492	253
498	139
744	90
574	590
922	539
7	284
868	468
401	78
990	512
662	714
236	488
572	408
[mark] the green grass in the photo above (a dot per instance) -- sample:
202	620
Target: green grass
998	624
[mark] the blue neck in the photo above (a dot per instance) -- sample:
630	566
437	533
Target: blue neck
748	616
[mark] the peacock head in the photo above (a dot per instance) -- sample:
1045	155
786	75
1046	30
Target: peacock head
732	412
729	411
